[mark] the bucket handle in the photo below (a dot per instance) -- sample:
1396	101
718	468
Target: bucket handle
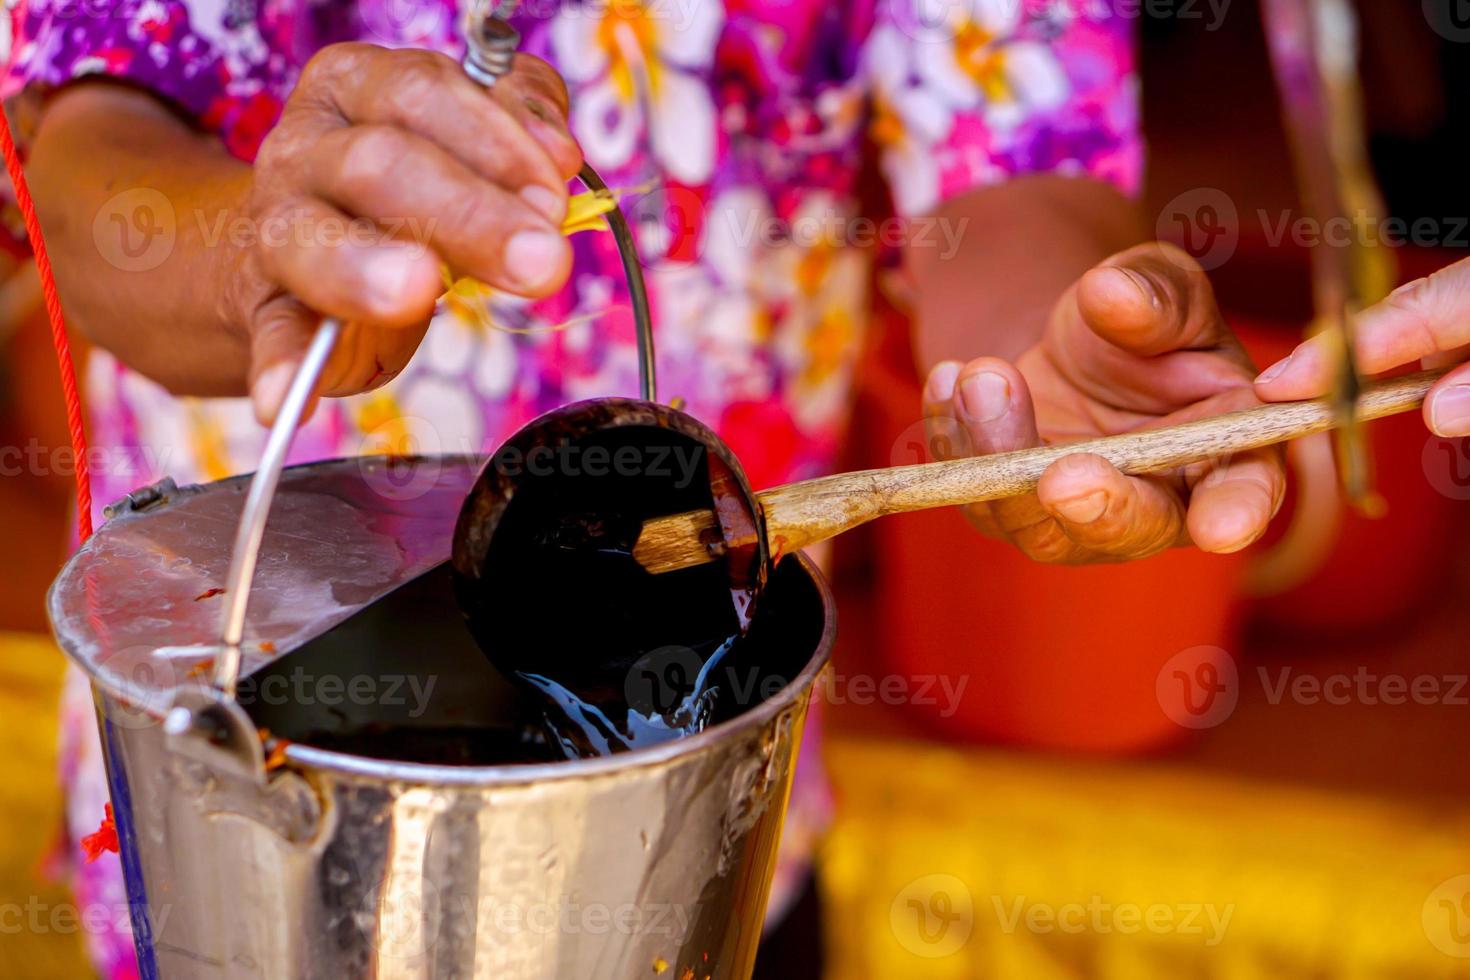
256	511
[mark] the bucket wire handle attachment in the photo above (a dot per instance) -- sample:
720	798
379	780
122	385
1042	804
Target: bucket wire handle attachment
209	724
490	49
637	290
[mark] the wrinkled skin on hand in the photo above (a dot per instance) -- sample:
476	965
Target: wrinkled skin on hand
425	169
1138	342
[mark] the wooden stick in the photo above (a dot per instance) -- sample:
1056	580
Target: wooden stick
801	514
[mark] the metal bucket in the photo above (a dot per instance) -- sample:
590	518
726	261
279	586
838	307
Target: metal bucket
324	863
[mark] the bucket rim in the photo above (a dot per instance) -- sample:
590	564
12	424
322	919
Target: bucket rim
435	774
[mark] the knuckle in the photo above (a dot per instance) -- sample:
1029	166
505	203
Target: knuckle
982	520
369	156
1044	542
379	307
1432	303
536	74
289	142
1177	258
419	78
277	150
476	217
1413	305
275	324
332	63
271	246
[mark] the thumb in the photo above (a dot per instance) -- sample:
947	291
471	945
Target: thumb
278	341
1152	299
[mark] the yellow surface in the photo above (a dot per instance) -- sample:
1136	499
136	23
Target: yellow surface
940	857
30	815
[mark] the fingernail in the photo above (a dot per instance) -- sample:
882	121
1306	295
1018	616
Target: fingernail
269	390
1083	510
1449	413
547	123
1143	286
530	256
986	396
1276	370
941	381
546	202
388	272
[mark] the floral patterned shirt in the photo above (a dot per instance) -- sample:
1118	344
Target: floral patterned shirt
736	130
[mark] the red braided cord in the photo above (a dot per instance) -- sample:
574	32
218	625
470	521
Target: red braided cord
58	330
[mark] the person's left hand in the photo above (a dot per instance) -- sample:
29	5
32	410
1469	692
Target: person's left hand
1136	343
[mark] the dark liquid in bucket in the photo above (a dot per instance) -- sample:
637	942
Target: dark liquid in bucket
620	657
431	696
588	654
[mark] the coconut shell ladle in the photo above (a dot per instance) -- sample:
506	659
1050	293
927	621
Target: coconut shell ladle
798	515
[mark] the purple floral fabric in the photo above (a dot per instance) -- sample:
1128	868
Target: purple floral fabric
735	130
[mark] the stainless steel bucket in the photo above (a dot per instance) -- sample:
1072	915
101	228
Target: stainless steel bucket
323	863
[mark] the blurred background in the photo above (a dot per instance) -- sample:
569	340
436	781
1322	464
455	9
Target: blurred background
1220	767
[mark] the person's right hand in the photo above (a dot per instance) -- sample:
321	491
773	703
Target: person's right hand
1427	320
430	170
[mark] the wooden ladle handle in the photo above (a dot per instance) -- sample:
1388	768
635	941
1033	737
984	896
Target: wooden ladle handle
801	514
